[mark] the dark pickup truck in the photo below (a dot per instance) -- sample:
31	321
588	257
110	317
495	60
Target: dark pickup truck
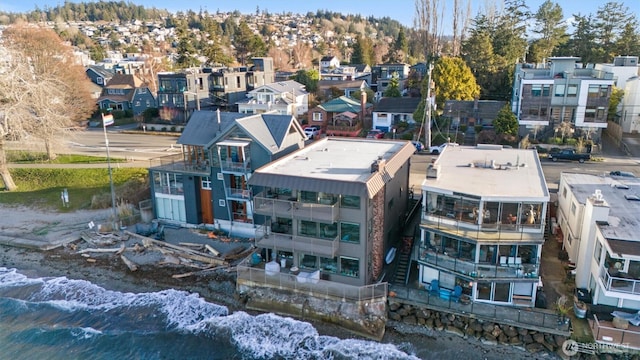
570	155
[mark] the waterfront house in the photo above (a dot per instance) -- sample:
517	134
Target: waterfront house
208	182
482	225
335	206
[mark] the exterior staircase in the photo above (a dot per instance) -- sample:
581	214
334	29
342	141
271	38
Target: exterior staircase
403	259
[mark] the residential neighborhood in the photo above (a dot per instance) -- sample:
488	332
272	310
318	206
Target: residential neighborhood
311	162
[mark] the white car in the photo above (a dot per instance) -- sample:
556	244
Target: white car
312	132
437	150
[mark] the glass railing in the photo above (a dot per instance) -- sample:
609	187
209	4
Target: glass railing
620	282
234	193
308	245
277	205
510	269
235	166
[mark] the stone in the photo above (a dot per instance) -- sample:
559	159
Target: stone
411	320
421	321
393	306
429	322
486	341
403	311
454	330
559	339
477	327
395	316
620	323
534	348
515	341
538	337
549	347
451	317
522	331
503	339
510	331
489	336
469	331
487	327
496	331
527	339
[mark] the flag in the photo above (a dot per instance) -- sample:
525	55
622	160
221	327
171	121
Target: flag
107	120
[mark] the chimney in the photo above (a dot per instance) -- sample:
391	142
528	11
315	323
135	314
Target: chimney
475	104
363	103
218	116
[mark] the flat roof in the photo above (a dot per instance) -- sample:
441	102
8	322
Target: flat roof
335	159
623	223
489	171
340	165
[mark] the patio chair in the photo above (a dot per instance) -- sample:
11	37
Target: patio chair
434	288
457	292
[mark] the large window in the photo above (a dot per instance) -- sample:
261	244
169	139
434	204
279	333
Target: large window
350	201
572	90
329	265
317	116
597	252
317	229
559	90
349	266
308	261
350	232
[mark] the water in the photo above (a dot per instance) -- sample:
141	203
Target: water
59	318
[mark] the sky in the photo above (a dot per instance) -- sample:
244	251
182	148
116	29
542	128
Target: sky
401	10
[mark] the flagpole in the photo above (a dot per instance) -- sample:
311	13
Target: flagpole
113	192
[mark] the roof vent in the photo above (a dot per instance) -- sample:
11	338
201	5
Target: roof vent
621	186
632	197
301	158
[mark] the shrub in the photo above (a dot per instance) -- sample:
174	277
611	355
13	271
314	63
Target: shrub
571	142
173	129
407	136
464	128
478	128
150	113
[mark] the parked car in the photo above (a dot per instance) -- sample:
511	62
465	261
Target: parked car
375	134
312	132
437	149
419	146
622	173
569	155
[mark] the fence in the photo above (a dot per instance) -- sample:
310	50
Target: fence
605	333
314	287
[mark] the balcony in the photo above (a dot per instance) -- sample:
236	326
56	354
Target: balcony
238	194
274	205
509	268
467	227
615	340
235	167
176	163
309	245
620	282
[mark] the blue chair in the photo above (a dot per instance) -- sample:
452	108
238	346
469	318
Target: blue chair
434	288
457	292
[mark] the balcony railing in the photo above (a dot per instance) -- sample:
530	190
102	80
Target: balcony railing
273	205
489	231
468	268
605	333
176	163
619	283
254	276
240	194
288	242
230	166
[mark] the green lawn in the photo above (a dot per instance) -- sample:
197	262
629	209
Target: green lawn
25	157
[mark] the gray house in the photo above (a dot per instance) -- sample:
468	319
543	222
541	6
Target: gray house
208	182
126	93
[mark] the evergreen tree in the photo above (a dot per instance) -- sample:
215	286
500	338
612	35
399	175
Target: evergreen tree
506	122
551	29
453	81
393	88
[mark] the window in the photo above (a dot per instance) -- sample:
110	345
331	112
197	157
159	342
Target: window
222	203
594	91
238	82
590	113
546	89
559	90
308	228
308	196
142	90
349	232
205	183
350	201
329	265
317	116
597	252
349	266
536	90
308	261
564	192
572	90
573	208
99	80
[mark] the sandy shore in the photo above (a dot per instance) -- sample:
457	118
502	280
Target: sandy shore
109	272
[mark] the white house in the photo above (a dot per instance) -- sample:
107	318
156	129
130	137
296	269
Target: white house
598	222
285	97
482	225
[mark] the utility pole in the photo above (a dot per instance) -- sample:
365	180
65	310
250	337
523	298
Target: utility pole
427	110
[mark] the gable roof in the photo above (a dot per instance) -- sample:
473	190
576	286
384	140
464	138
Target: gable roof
268	130
397	104
285	86
106	74
203	126
328	58
125	81
342	104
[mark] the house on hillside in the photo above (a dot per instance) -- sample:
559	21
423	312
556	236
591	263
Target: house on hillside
126	93
561	92
208	182
336	117
472	112
285	97
99	75
483	224
327	88
335	207
230	85
389	111
329	62
180	93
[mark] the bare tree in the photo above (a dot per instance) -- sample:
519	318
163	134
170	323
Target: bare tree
460	25
43	91
427	26
302	55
